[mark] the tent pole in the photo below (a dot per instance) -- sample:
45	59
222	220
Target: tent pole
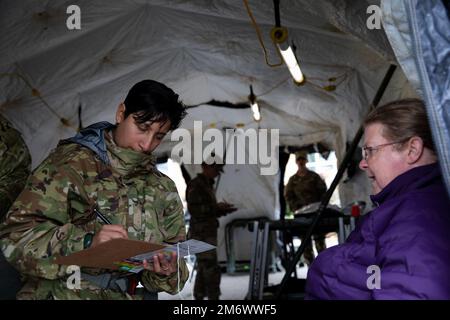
326	198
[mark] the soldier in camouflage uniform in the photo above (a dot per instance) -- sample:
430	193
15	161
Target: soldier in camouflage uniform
303	188
204	210
15	166
109	168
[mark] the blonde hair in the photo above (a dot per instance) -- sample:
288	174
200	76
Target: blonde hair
403	119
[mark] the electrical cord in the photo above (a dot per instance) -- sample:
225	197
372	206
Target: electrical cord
36	93
258	33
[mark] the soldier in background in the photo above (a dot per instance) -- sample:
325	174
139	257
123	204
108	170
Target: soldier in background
106	168
305	187
204	210
15	166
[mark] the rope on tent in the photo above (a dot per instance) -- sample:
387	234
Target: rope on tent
332	82
36	93
258	33
274	87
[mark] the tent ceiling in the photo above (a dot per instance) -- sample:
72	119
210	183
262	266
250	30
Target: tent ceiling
204	50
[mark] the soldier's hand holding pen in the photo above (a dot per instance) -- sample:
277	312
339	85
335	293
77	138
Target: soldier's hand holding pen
108	231
161	264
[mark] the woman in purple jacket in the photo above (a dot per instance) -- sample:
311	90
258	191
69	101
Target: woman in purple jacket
401	249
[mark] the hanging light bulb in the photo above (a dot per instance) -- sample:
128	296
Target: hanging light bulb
256	113
254	105
279	36
292	64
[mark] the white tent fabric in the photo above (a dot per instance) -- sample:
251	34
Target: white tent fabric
395	23
204	50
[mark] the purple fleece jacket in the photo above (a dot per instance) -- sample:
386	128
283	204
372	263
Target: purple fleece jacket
407	236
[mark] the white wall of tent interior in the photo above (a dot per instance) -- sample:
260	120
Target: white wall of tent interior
54	79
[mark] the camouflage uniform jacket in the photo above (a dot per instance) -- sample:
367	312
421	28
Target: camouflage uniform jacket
301	191
15	165
55	212
202	206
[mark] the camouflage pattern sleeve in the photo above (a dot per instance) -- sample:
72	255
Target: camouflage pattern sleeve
38	225
173	227
290	196
15	165
320	185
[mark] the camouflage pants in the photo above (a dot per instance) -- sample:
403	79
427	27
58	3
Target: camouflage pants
207	281
308	254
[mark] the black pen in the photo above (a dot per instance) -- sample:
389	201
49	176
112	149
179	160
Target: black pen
104	219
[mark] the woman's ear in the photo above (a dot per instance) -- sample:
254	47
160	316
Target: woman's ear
120	113
415	149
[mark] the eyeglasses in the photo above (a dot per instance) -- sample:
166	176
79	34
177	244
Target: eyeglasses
368	151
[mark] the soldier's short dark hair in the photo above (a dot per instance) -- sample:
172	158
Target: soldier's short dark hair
149	100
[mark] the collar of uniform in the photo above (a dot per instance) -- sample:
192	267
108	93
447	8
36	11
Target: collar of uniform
305	174
127	161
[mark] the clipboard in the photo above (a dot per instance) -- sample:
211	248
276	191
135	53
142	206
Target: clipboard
115	254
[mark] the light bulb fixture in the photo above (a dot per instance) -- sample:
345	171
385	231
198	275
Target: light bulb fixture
279	36
254	105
